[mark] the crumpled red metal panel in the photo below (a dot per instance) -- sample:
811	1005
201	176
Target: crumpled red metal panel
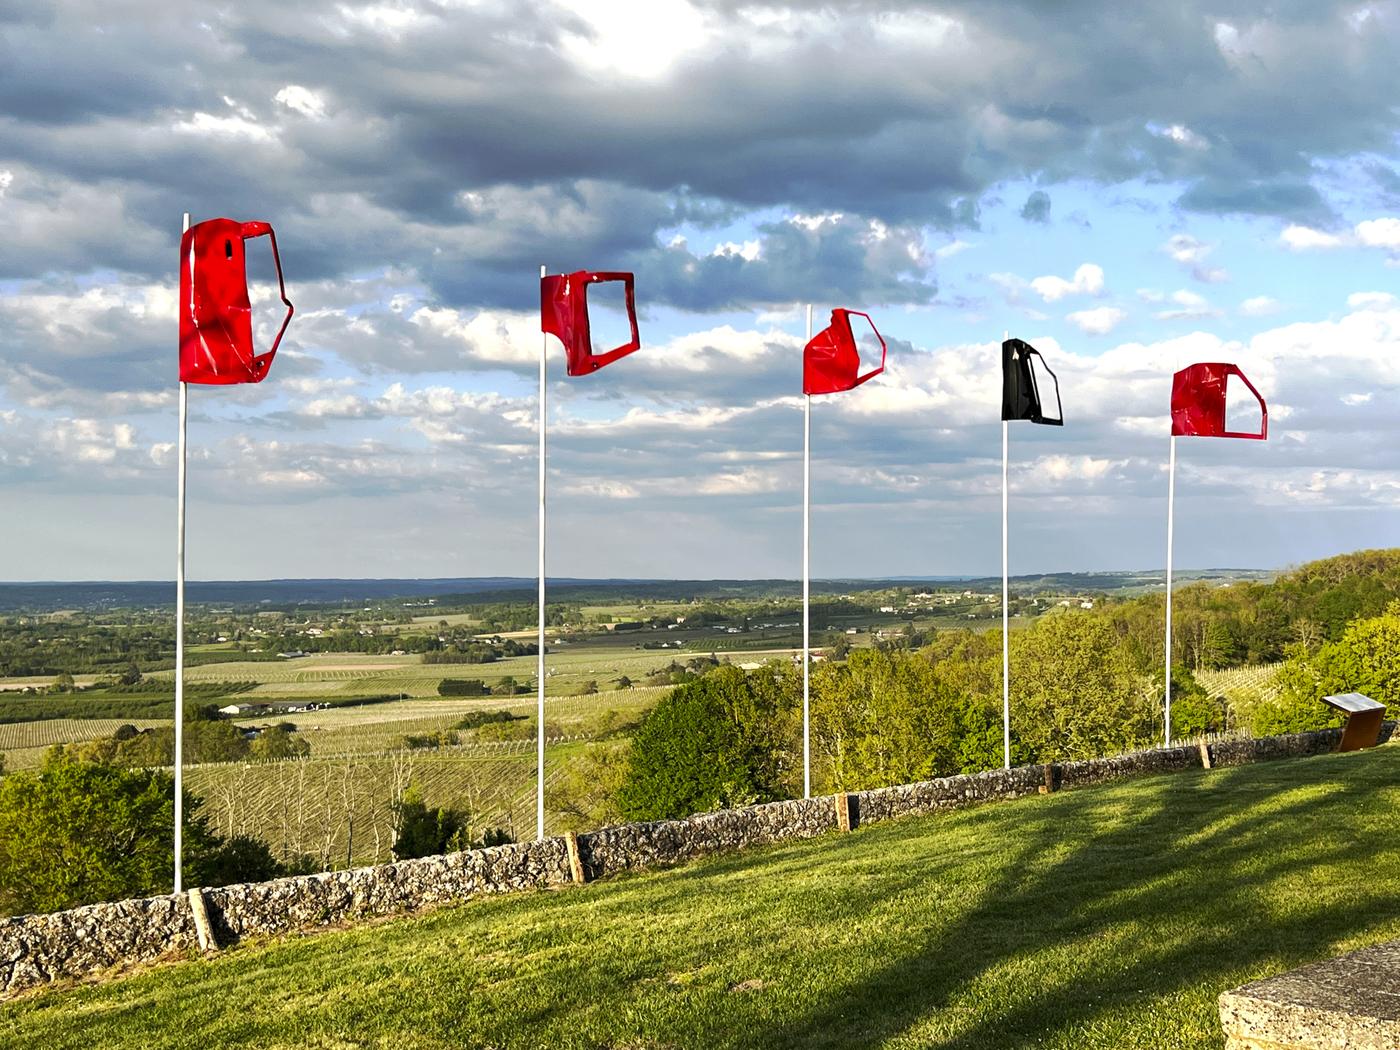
1198	402
564	313
216	318
831	361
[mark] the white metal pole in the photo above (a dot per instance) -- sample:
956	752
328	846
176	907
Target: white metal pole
540	670
1005	601
180	630
807	583
1171	516
1005	594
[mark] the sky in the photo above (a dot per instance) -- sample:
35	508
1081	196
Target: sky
1128	190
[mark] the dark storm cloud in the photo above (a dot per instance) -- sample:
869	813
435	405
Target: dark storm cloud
467	145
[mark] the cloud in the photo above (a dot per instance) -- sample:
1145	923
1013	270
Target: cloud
1191	253
1037	207
302	100
1260	306
1302	238
1087	280
1179	134
1371	300
1370	233
919	441
421	160
1098	321
400	110
1379	233
1187	304
952	248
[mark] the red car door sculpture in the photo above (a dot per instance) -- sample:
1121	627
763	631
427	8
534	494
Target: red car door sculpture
1198	402
216	317
564	313
831	361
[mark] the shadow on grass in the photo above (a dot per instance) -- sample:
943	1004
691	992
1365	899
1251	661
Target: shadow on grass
1068	883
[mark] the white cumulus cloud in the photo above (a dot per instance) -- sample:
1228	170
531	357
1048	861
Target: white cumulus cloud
302	100
1260	306
1304	238
1099	321
1087	280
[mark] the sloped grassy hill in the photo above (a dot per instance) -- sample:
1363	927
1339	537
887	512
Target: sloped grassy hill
1108	917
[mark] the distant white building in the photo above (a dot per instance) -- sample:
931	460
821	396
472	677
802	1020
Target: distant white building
244	710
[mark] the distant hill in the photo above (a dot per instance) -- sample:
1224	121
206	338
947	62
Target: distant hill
92	595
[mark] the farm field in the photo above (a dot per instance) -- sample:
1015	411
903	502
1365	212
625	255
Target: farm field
1098	919
335	804
341	675
1240	683
380	727
337	809
24	743
40	682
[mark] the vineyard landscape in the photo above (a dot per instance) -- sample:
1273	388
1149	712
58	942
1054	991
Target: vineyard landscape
435	696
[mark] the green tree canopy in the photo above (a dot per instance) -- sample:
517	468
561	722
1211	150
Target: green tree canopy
1366	659
1076	693
77	832
722	740
885	717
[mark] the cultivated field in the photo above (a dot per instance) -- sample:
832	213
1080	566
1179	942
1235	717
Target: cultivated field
24	743
1242	686
337	809
342	675
335	805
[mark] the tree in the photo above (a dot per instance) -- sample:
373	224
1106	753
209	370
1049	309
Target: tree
1366	659
420	831
276	742
132	674
885	718
722	740
77	832
63	683
587	793
462	687
241	858
1195	711
1076	693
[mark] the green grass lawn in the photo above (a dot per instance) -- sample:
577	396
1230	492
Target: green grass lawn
1102	918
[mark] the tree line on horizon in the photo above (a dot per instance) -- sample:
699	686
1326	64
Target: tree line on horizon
1085	684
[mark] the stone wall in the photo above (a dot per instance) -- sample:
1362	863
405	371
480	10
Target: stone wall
662	842
329	898
41	949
